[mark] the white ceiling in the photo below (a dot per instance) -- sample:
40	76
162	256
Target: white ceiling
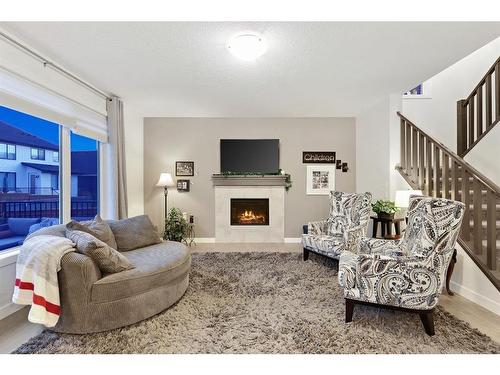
310	69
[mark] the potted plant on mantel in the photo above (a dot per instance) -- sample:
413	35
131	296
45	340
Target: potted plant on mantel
384	209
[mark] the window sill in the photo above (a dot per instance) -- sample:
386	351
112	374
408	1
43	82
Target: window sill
9	256
417	97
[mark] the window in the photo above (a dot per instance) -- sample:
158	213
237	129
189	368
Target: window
55	157
7	182
37	153
7	151
36	202
84	177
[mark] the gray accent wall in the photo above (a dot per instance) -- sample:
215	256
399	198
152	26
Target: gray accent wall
167	140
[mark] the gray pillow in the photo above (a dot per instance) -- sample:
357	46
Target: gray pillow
134	233
97	227
107	259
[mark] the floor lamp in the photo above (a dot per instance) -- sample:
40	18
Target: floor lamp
165	181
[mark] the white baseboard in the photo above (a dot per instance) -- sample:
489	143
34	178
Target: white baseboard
204	239
471	295
9	309
293	240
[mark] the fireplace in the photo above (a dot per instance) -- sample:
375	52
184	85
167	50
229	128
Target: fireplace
250	211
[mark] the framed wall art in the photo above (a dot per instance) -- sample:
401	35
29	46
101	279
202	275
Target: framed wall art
320	179
184	168
183	185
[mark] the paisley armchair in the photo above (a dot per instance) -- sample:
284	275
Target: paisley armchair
408	274
344	228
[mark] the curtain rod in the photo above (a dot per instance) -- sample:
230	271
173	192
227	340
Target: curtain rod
48	63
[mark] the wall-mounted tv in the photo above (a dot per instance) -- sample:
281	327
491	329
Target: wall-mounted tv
250	155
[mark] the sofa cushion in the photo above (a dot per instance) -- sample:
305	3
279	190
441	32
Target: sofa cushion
6	234
21	226
134	233
9	242
155	266
97	228
44	223
107	259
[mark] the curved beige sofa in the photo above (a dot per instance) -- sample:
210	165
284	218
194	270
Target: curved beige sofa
93	302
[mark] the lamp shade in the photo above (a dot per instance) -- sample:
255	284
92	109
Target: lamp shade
402	199
165	180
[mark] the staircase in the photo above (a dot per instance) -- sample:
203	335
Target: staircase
430	166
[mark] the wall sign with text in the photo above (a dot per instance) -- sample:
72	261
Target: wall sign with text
318	157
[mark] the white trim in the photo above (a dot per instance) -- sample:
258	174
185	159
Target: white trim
293	240
475	297
9	256
65	168
9	309
423	96
204	239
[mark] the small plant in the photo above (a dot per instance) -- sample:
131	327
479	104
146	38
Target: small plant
176	227
382	207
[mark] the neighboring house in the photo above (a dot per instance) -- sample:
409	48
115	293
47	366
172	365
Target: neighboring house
30	165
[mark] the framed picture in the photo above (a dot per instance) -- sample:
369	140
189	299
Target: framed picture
320	179
183	185
319	157
339	164
184	168
345	168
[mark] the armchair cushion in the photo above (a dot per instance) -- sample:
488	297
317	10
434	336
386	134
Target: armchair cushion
324	244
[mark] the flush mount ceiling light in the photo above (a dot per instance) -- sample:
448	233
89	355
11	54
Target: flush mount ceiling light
247	46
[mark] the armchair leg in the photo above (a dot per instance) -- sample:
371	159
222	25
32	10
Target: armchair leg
306	254
451	266
349	309
427	319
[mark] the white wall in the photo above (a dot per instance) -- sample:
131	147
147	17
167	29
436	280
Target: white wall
377	149
436	113
484	156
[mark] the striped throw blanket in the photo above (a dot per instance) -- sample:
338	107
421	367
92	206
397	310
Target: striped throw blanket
36	277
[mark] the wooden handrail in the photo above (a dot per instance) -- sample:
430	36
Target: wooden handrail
475	113
430	166
485	180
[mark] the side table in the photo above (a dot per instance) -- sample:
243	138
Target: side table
189	240
386	227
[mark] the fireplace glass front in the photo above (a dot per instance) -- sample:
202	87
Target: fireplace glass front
250	211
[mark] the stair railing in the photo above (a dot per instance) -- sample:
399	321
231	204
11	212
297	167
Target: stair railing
430	166
480	111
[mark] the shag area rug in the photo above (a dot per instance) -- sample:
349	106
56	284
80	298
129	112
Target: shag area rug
270	303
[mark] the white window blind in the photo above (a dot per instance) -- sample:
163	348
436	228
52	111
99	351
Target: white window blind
28	86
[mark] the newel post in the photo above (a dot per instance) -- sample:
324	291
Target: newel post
461	127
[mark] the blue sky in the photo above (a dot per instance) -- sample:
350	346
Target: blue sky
44	129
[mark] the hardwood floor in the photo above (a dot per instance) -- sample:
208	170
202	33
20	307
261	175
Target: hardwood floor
15	329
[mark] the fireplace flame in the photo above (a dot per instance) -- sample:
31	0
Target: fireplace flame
250	217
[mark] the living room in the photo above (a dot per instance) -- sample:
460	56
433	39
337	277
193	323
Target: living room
295	186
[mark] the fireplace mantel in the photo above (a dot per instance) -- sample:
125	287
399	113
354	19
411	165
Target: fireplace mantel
248	180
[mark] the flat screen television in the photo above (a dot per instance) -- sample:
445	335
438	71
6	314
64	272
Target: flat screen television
249	155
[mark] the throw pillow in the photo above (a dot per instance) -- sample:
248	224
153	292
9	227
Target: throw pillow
97	227
107	259
134	233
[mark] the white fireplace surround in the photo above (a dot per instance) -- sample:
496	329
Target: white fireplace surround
225	232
